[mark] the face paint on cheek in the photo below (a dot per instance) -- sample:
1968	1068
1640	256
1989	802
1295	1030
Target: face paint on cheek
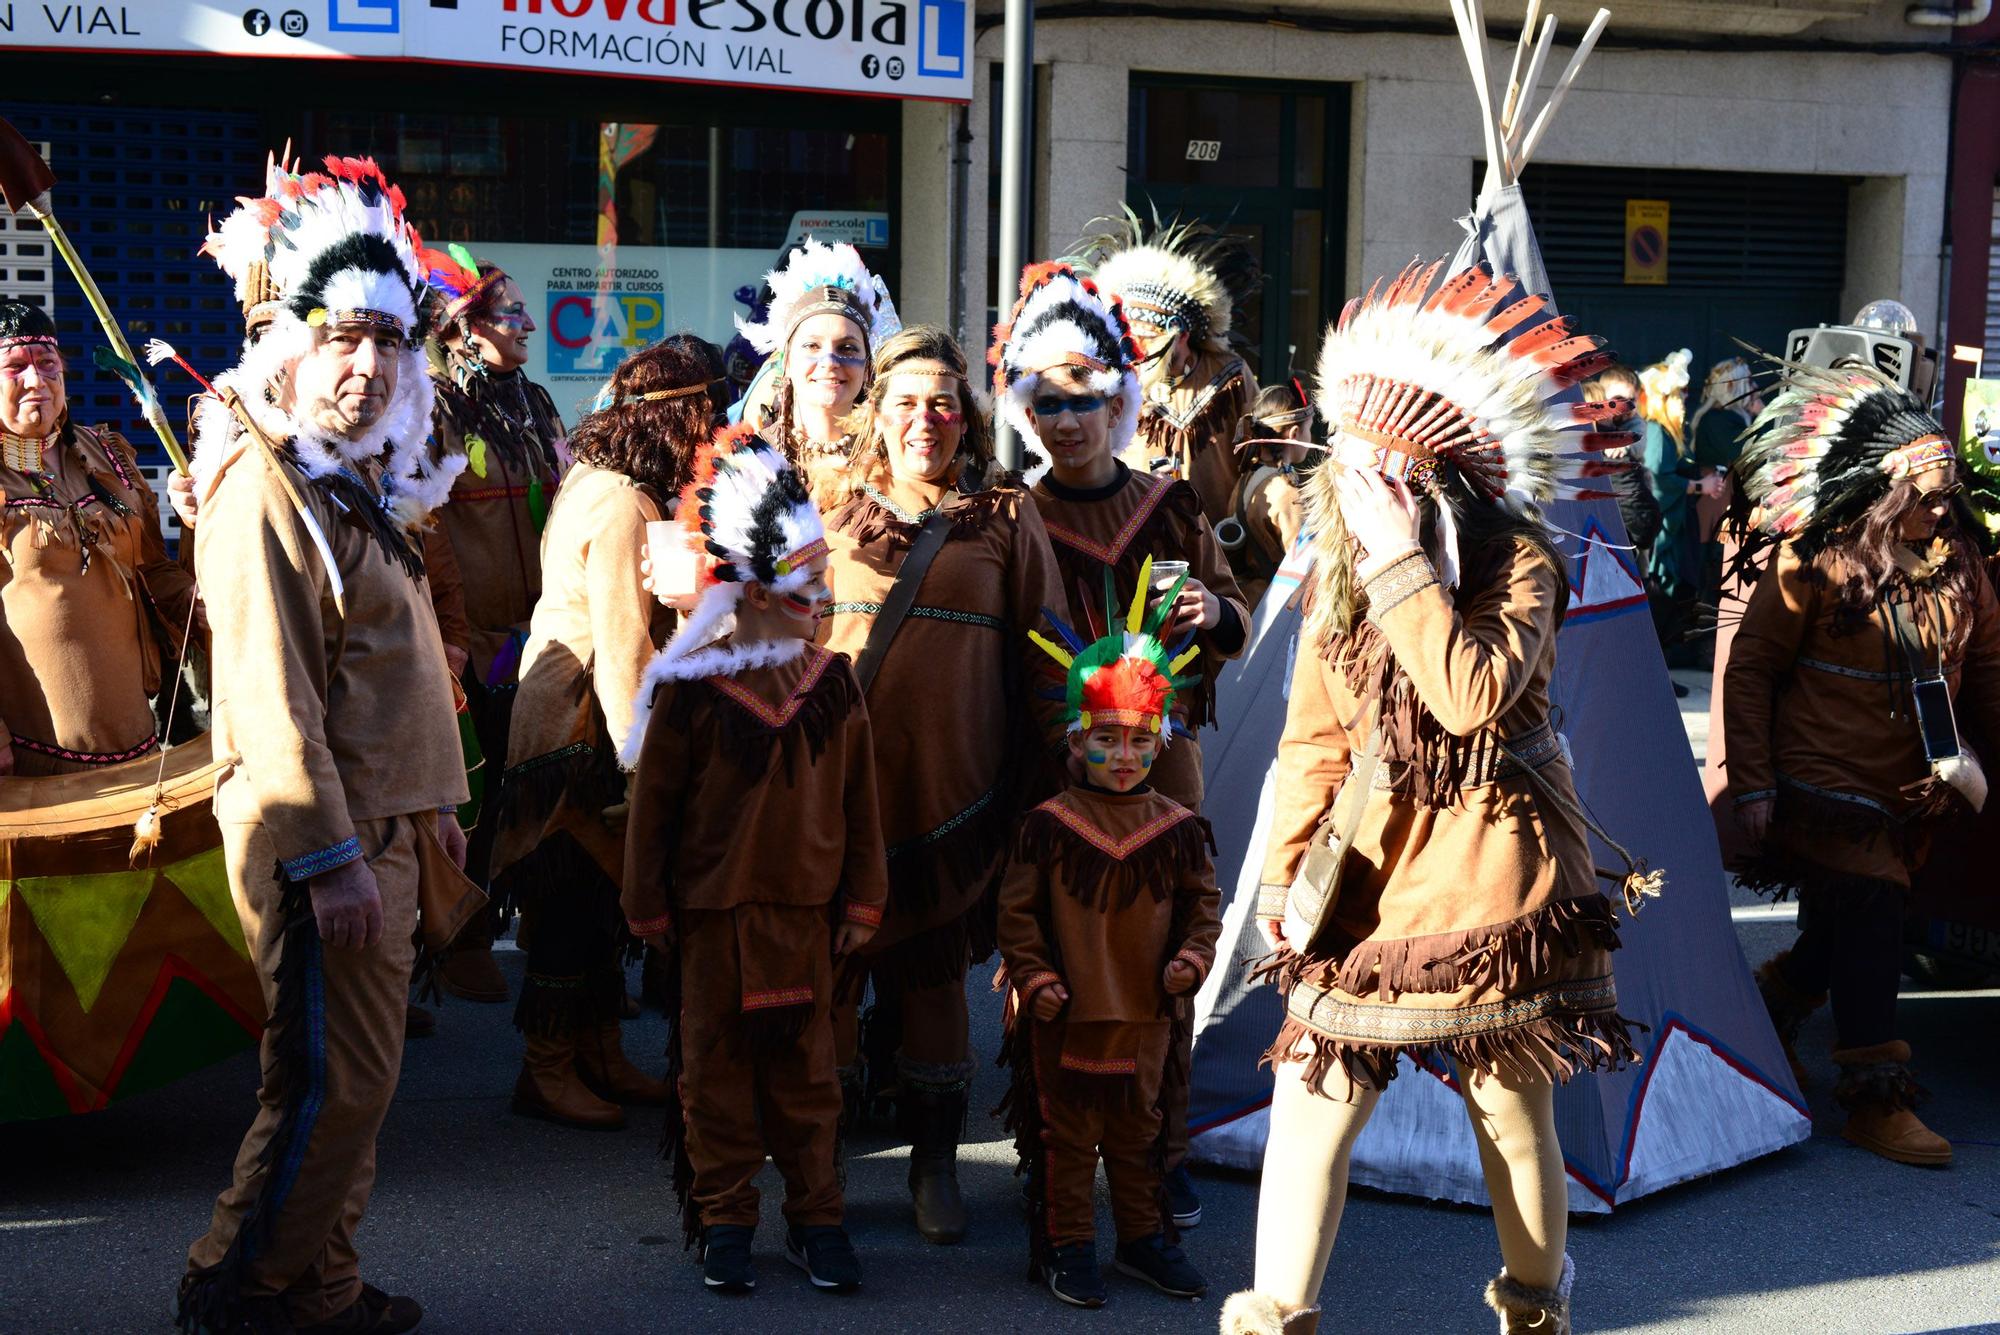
1091	757
1146	760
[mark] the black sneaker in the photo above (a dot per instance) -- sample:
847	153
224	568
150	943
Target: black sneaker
1074	1277
825	1254
1162	1265
725	1258
1182	1202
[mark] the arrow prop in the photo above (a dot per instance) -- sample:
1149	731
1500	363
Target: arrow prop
25	181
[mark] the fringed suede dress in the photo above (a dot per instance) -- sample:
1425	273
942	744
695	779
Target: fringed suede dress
1104	891
1468	921
559	851
955	738
87	595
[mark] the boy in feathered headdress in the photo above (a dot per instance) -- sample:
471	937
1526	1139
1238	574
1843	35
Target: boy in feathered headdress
1108	913
754	860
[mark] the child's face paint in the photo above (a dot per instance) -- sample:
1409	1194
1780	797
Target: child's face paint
1116	756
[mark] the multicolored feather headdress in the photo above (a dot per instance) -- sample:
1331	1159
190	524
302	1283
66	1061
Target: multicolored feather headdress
1465	378
819	278
453	275
1831	444
1064	319
316	251
1125	676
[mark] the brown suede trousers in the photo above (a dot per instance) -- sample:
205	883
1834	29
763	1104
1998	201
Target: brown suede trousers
311	1259
1119	1120
760	1079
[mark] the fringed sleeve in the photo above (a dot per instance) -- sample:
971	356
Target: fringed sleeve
865	868
1197	912
652	831
168	584
1469	665
1313	760
1208	563
1034	581
1782	608
1024	927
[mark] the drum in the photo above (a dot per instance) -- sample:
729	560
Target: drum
114	978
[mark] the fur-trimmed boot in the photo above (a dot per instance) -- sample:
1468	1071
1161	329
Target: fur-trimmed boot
933	1115
1253	1313
1529	1311
1788	1008
1880	1096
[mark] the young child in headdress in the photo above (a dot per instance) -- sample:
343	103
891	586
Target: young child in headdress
1108	913
754	860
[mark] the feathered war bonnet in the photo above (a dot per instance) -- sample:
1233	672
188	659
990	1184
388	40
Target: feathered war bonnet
316	251
1470	378
1179	276
1125	677
456	285
820	279
1830	445
1064	319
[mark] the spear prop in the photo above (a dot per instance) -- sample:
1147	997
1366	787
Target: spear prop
25	181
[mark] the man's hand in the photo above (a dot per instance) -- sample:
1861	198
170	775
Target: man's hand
1274	931
1049	1001
1754	818
348	905
456	658
1179	977
180	495
851	936
452	836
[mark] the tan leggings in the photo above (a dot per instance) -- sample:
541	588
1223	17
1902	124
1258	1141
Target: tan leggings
1305	1177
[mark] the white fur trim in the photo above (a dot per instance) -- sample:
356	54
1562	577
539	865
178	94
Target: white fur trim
1252	1313
715	660
815	264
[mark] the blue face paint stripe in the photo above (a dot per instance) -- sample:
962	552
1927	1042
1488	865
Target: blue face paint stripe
1056	407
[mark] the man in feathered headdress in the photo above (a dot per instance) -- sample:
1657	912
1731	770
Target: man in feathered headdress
1869	634
484	555
335	704
1179	283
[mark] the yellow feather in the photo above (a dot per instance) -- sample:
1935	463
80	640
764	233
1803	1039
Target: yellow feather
1186	658
1137	616
1052	649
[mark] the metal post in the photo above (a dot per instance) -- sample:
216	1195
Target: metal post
1017	135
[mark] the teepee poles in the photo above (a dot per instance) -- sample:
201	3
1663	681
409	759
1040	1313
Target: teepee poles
1511	138
1548	111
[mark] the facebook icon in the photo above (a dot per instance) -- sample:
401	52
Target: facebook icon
941	38
363	15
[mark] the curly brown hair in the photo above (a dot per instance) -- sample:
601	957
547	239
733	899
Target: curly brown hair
1862	573
916	343
653	441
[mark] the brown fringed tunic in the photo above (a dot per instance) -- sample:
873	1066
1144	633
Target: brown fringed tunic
508	429
1192	422
87	594
955	737
1468	919
754	827
1103	892
1116	528
1820	719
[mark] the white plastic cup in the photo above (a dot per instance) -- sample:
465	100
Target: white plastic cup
676	564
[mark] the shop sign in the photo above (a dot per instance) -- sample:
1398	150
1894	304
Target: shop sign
887	48
1646	242
593	310
862	230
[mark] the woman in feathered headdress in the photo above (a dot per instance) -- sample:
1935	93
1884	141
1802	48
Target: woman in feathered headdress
827	317
1449	905
559	852
1869	635
1179	283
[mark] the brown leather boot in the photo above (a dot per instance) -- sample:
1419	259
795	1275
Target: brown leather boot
551	1089
932	1108
1879	1093
1530	1311
1788	1008
1253	1313
469	972
601	1061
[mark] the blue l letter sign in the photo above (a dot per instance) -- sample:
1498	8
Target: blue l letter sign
941	38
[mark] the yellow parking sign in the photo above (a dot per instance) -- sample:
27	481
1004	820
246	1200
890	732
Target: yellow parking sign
1646	241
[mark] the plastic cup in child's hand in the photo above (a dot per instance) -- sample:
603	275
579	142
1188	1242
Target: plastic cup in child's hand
672	568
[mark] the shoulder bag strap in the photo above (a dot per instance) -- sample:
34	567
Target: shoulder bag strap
902	596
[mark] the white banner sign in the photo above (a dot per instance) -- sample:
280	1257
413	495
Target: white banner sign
888	48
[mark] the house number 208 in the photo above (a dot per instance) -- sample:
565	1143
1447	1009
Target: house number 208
1204	150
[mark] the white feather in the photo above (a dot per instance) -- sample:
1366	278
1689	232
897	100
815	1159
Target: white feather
726	660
